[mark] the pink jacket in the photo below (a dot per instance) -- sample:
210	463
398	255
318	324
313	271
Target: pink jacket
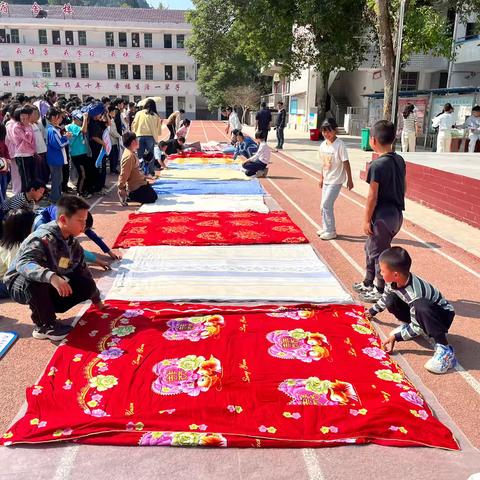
24	140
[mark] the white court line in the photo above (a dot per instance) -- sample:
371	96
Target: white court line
354	264
312	464
470	379
418	239
204	131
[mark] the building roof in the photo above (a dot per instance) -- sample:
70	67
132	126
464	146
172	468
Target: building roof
106	14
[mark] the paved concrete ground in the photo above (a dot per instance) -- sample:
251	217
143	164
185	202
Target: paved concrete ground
455	397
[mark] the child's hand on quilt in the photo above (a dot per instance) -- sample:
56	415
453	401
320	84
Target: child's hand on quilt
389	344
100	305
368	315
61	286
115	255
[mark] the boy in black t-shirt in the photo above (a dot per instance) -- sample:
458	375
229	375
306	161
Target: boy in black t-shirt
384	207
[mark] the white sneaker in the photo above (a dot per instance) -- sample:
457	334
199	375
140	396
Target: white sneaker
443	359
328	235
320	232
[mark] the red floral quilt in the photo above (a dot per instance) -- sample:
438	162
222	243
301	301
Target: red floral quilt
209	228
198	375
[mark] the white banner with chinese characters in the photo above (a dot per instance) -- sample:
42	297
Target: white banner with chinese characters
83	86
63	53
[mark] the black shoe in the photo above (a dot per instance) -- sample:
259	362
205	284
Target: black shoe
56	332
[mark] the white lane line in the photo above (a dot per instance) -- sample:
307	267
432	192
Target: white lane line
65	465
470	379
334	243
418	239
312	464
204	131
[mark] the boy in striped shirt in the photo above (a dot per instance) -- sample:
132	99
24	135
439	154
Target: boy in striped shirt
417	303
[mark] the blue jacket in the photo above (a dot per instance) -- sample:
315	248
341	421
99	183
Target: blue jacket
247	148
56	144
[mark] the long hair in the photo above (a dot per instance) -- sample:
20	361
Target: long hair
17	226
151	107
409	107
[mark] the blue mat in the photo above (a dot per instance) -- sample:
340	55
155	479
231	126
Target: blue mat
208	187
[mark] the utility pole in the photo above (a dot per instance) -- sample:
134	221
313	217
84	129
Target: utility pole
398	59
452	53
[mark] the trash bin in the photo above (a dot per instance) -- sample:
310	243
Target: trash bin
365	143
314	134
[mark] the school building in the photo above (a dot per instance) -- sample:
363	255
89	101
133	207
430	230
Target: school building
100	51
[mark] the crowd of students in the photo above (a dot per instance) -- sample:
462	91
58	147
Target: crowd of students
56	141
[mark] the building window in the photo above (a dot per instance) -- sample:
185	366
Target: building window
168	72
148	72
137	98
111	74
18	69
167	40
3	35
122	39
84	70
408	81
56	37
136	72
72	70
181	103
109	42
5	69
82	38
58	70
14	35
126	98
472	30
147	40
124	72
42	37
442	81
135	40
180	41
69	37
180	72
168	106
46	68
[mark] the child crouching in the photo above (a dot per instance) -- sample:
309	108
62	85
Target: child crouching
417	303
49	273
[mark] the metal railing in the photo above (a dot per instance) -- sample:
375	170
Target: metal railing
358	111
272	99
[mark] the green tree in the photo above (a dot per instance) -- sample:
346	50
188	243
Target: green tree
215	45
300	34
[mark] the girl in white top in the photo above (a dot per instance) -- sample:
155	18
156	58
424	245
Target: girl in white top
336	169
445	122
409	130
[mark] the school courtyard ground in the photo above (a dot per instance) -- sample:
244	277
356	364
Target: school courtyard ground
445	252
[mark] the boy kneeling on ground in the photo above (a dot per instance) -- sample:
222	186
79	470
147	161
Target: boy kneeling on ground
421	307
257	164
49	273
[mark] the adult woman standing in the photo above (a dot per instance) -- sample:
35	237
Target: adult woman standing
409	130
147	126
445	121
